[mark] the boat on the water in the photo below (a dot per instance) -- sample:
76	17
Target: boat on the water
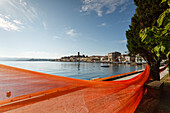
139	63
105	66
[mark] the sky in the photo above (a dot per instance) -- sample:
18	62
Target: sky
56	28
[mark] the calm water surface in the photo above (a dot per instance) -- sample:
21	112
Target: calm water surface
77	70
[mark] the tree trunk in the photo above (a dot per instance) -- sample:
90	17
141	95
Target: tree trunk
169	63
154	68
169	69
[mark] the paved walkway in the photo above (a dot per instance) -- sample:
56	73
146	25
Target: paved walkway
128	77
162	74
164	105
150	104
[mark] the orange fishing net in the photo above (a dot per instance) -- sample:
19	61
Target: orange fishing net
83	96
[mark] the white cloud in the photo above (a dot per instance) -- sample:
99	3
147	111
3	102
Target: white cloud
7	17
56	37
123	8
17	21
123	41
7	25
16	14
102	24
99	5
18	10
44	25
71	32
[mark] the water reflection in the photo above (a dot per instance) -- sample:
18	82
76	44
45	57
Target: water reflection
78	66
79	70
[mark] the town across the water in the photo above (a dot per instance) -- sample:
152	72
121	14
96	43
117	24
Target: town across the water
113	57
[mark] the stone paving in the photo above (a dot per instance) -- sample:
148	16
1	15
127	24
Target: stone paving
162	74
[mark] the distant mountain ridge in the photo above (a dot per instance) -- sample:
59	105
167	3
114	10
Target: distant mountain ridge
25	59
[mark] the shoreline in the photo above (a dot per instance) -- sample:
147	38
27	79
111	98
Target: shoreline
132	63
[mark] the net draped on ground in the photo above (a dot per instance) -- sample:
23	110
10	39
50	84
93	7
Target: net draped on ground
91	96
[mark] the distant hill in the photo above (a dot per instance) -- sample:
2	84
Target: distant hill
24	59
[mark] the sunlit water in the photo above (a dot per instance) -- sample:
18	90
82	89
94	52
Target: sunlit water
77	70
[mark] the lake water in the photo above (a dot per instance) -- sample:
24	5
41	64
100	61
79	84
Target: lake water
77	70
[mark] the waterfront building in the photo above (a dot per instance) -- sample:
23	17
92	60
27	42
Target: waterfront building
83	59
139	59
65	59
104	59
95	58
87	59
78	54
132	58
127	58
124	58
73	58
113	56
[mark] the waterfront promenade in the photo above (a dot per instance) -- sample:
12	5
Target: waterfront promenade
162	74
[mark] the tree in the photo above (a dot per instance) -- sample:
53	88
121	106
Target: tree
144	43
160	34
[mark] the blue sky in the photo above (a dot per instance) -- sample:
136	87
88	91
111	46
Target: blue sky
55	28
